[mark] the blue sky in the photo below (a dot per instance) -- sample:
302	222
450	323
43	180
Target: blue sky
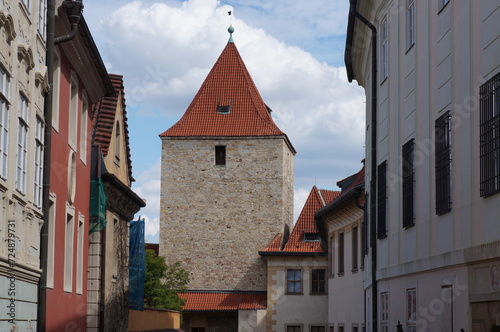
293	50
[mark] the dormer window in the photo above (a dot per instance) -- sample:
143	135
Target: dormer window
224	107
311	237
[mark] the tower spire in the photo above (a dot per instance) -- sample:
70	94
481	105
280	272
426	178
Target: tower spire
230	29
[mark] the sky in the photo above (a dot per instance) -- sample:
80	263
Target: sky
294	51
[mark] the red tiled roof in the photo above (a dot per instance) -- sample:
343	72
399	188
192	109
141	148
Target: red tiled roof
104	120
227	84
215	301
317	199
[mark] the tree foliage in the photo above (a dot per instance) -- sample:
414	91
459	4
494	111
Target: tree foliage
163	283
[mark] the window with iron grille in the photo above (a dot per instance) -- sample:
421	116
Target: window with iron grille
408	184
382	200
490	136
443	163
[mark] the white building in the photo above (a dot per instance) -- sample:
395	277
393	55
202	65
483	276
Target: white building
22	86
433	163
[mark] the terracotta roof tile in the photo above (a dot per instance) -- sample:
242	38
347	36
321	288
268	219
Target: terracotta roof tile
305	224
227	84
104	120
223	301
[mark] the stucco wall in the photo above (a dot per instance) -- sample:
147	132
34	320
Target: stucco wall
215	219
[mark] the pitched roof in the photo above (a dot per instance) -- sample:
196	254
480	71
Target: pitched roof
104	120
228	84
223	301
297	243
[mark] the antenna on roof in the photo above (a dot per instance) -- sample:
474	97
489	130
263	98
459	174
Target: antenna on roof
230	29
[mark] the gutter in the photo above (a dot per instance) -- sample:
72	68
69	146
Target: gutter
291	253
353	14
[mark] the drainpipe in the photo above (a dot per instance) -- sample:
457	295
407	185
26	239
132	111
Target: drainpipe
48	107
73	12
373	164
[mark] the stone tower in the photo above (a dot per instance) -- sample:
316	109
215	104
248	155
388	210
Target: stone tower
226	182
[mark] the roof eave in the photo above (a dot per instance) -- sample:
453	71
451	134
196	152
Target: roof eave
349	40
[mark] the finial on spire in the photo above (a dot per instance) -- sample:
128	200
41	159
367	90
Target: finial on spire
230	29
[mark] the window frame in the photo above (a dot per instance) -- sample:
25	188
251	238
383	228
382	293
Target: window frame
293	327
408	193
299	281
382	200
220	155
317	282
442	154
354	248
69	232
22	143
411	309
384	311
341	254
4	122
84	128
384	49
489	139
74	112
42	19
410	24
38	162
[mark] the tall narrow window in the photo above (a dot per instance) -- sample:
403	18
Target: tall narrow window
318	281
341	254
447	297
220	155
4	121
83	129
490	136
68	252
411	310
384	312
42	18
354	249
294	281
22	144
410	23
55	90
332	256
73	114
382	200
38	179
51	241
408	184
443	163
79	253
384	49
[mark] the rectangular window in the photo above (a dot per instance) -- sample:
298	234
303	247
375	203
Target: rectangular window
55	90
332	256
411	310
38	179
341	254
443	163
384	312
68	252
294	328
22	144
79	253
410	23
408	184
73	115
317	329
4	122
294	281
332	328
355	249
341	327
355	328
384	49
220	155
51	242
83	130
42	18
318	281
382	200
489	94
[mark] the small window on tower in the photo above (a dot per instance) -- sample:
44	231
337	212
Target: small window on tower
220	155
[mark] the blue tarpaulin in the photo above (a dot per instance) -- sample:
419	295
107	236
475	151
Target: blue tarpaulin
137	265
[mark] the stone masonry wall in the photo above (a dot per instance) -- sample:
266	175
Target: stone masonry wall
215	219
